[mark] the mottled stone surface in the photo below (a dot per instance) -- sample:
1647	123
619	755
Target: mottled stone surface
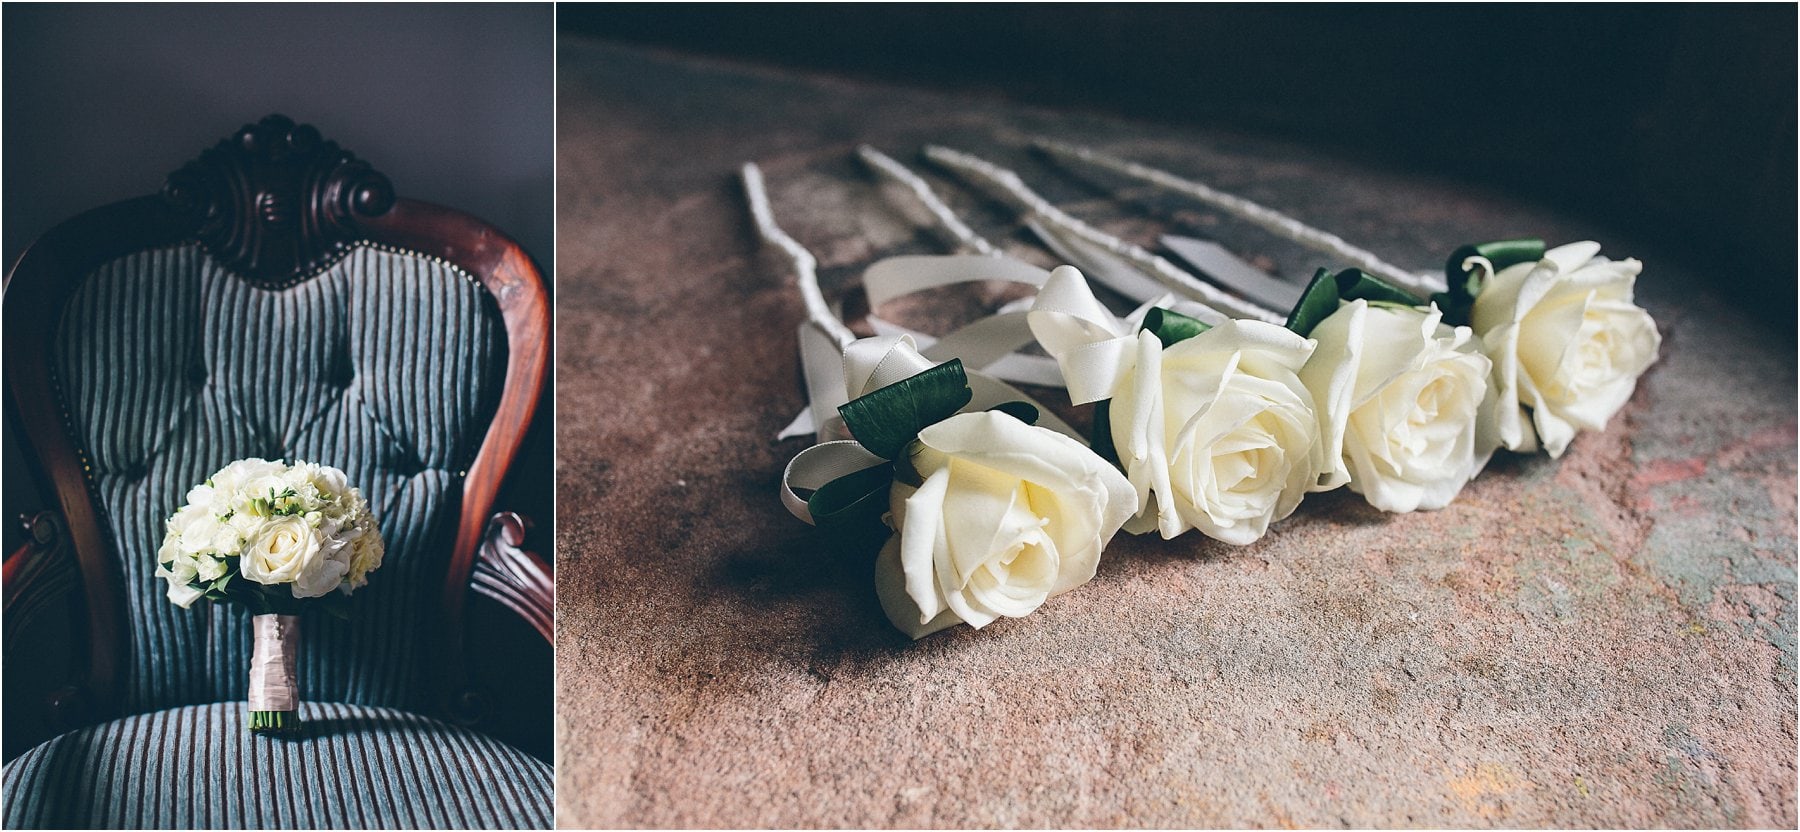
1602	640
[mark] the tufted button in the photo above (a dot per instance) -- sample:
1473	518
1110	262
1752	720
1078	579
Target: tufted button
407	466
136	471
196	374
341	371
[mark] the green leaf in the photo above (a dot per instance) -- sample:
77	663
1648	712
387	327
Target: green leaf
905	470
852	500
258	602
886	420
1355	284
1316	303
1465	284
1171	327
1327	291
1022	411
1102	440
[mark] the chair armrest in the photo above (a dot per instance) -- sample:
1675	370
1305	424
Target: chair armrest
516	577
45	691
36	574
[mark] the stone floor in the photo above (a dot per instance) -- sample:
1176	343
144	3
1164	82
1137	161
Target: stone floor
1604	640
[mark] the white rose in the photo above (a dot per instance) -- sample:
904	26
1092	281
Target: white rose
178	568
1402	400
196	530
330	482
289	551
232	477
1008	515
179	593
1567	341
203	496
1217	432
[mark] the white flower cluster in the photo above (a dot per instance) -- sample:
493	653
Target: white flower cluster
302	525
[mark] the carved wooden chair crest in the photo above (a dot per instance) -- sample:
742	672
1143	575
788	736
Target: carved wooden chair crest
276	300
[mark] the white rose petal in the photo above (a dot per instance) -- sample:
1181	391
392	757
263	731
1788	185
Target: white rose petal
1568	343
1217	432
329	481
183	595
199	531
202	496
1403	404
288	551
1008	515
179	573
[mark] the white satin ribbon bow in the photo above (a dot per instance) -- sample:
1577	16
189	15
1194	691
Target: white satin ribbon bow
870	364
989	348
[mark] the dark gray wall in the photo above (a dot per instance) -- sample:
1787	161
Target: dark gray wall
455	103
1673	121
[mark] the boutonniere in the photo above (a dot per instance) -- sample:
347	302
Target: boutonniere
1211	423
980	512
1212	412
1564	330
984	514
1405	402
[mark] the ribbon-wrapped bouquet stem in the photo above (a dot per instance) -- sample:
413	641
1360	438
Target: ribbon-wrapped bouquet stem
278	540
1211	409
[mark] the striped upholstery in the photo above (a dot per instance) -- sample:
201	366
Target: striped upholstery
387	365
199	767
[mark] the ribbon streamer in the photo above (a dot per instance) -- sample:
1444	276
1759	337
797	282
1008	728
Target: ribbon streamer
812	468
1093	348
873	363
1009	186
1268	219
988	347
965	237
806	267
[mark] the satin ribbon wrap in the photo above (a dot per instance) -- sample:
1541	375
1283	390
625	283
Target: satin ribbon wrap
275	645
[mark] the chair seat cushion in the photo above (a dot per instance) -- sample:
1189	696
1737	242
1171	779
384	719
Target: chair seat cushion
350	767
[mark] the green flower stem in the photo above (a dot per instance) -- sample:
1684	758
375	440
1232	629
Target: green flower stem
274	722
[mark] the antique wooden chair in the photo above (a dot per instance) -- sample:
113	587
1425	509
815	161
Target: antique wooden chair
275	300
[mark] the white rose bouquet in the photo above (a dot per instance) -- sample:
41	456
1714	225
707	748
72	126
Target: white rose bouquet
277	539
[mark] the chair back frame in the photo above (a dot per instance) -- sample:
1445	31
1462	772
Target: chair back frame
275	203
